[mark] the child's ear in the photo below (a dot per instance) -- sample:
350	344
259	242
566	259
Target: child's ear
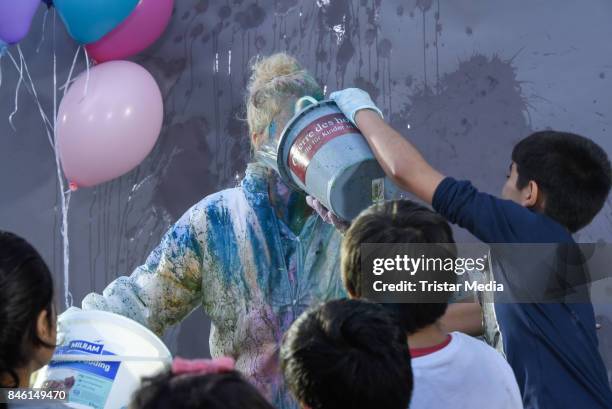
44	327
351	294
532	195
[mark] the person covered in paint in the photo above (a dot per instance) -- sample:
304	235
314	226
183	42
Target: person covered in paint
252	256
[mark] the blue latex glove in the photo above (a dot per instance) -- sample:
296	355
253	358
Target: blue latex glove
326	215
352	100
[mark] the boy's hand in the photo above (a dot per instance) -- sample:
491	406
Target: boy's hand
352	100
326	215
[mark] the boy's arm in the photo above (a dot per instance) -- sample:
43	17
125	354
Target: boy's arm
489	218
400	160
464	317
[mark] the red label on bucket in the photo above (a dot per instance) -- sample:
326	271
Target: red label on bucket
313	137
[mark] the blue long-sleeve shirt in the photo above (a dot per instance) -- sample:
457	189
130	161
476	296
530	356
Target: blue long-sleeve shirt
552	347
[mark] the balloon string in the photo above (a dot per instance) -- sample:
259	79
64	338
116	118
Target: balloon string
28	88
65	195
42	38
69	80
50	130
20	69
64	230
87	72
43	115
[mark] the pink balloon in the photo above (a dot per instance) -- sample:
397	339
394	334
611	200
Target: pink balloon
146	23
106	126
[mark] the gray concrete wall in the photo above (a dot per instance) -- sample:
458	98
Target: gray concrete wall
465	79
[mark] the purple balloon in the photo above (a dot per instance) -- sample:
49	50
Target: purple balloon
15	19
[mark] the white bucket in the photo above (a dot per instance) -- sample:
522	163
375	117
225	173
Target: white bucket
101	358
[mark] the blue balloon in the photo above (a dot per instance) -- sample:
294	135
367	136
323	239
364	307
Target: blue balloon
88	21
3	47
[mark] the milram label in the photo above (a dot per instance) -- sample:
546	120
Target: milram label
101	368
88	382
313	137
86	347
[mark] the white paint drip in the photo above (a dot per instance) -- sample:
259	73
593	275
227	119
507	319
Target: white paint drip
340	30
229	63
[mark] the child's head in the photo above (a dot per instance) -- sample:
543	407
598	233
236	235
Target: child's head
347	354
27	314
199	384
563	175
276	84
393	222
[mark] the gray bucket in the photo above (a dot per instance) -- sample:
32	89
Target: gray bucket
322	153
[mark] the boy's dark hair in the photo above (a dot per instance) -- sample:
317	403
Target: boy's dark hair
396	222
227	390
573	173
347	354
26	289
